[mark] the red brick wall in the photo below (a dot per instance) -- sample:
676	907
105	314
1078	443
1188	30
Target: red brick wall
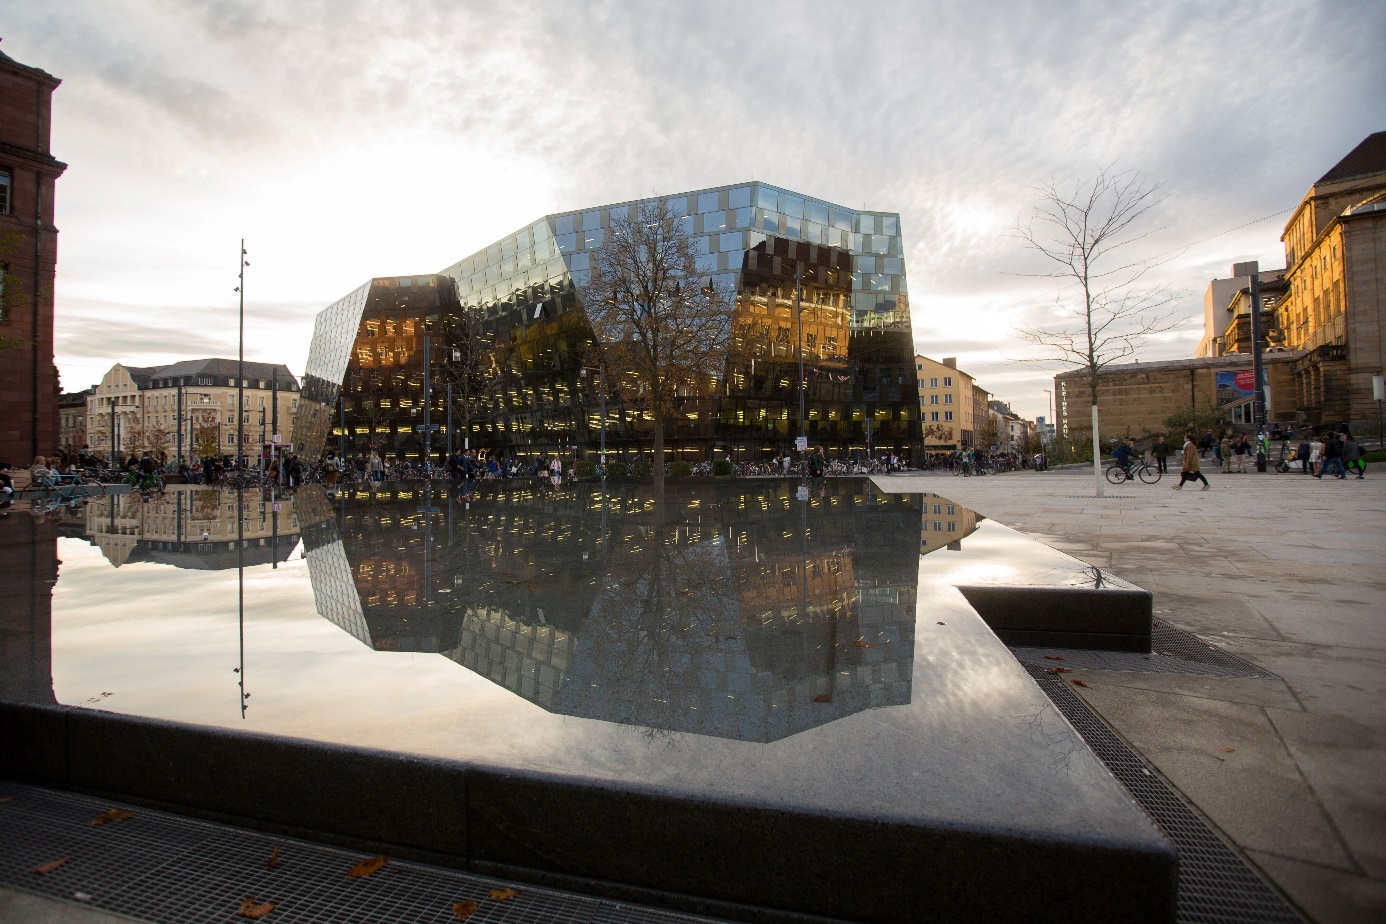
28	244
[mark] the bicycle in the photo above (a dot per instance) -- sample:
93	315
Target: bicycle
152	483
1147	473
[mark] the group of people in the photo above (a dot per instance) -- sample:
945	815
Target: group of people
1332	453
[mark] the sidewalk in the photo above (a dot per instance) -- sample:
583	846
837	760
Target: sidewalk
1286	571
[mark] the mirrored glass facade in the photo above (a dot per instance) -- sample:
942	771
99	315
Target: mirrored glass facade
525	291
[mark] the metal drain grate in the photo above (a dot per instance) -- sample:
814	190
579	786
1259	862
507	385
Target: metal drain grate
169	869
1175	652
1216	886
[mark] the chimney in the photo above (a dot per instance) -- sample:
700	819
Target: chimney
951	362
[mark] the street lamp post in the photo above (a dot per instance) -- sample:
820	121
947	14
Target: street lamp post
799	311
240	364
428	406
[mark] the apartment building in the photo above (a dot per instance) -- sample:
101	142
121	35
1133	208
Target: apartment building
947	403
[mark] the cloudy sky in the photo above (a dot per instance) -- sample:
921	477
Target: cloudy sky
348	139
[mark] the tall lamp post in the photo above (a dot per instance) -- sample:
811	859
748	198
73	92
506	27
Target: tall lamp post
240	363
799	312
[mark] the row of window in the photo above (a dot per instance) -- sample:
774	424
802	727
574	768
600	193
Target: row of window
947	416
947	399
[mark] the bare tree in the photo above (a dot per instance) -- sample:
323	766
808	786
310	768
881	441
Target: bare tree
1103	313
667	323
471	365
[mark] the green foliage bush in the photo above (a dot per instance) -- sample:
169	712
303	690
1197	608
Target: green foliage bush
641	469
722	468
616	470
678	469
586	469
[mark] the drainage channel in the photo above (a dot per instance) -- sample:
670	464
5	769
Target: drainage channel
1216	886
169	869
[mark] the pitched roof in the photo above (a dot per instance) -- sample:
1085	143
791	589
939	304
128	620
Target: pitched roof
1367	158
140	374
226	368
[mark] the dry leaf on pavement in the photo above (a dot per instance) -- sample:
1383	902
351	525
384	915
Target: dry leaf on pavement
249	909
366	867
273	860
4	799
1227	749
463	910
112	815
504	895
43	869
1059	670
1052	658
822	698
1079	683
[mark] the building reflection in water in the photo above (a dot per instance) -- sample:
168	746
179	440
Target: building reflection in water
190	528
732	610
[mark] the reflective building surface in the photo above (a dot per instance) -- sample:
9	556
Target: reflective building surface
522	297
716	613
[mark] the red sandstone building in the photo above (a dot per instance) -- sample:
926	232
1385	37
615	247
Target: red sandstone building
28	262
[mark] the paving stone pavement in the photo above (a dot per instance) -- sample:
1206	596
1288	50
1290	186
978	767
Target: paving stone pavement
1286	571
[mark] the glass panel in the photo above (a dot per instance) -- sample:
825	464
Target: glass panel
541	231
768	221
563	224
702	244
566	243
578	261
743	218
739	198
818	212
842	219
866	224
507	247
677	206
891	265
815	233
686	224
715	221
890	224
792	206
733	241
865	264
591	221
619	213
878	282
706	262
791	229
734	259
880	243
707	202
766	199
592	239
493	255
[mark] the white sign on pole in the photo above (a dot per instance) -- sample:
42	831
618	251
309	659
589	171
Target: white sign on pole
277	438
803	493
1379	388
801	443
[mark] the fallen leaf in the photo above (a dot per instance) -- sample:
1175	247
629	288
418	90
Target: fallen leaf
686	593
860	644
273	860
1059	670
1167	653
366	867
1079	683
112	815
249	909
1227	749
6	799
943	624
463	910
1052	658
504	895
822	698
43	869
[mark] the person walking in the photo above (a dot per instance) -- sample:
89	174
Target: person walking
1161	453
1302	454
1352	455
377	467
1316	456
1242	454
1190	470
1224	452
1333	456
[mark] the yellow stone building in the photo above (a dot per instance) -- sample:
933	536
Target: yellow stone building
949	403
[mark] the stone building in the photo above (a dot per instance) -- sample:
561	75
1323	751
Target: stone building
28	263
1335	259
72	420
946	403
191	404
1135	399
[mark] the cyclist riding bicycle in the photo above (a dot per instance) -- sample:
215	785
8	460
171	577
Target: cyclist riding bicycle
1125	455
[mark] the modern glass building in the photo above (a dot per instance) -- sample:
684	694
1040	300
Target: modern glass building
363	383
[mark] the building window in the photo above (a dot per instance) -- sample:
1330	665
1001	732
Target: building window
933	399
933	383
4	192
947	416
933	417
947	381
